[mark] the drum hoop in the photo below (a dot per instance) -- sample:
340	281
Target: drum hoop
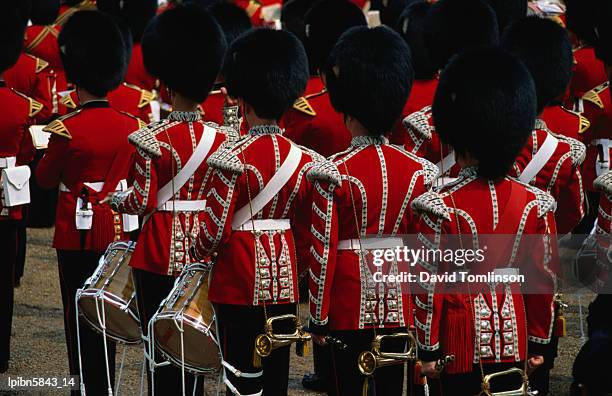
190	320
108	297
109	334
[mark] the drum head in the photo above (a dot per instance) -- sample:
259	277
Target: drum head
121	325
202	353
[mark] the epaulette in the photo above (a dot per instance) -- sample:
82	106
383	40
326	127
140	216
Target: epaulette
603	183
57	126
584	122
230	133
546	202
430	171
141	123
419	122
34	107
68	102
593	95
40	64
316	157
225	158
303	106
431	203
145	96
577	149
145	140
325	171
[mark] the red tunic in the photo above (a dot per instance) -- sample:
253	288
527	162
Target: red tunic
565	122
15	139
33	77
162	149
313	122
87	146
212	108
371	183
560	176
603	232
482	321
137	74
41	41
589	72
255	267
598	139
126	98
421	95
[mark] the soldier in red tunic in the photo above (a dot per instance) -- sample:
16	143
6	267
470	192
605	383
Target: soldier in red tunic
545	48
312	122
451	27
362	201
184	48
88	156
255	220
487	326
15	149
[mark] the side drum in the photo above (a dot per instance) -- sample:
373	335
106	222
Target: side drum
108	300
184	326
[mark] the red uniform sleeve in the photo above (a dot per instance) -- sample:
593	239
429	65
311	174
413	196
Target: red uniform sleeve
323	252
570	206
50	168
142	199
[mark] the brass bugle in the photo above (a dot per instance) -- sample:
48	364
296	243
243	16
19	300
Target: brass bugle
269	341
369	361
523	390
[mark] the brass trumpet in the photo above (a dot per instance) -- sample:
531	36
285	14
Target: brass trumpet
269	341
369	361
523	390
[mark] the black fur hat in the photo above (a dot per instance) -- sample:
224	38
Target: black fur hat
135	14
13	21
390	10
268	69
581	19
603	47
369	76
485	106
546	50
44	12
411	26
508	11
325	23
93	52
184	47
292	17
233	20
453	26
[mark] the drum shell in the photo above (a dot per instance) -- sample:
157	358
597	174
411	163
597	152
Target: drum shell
112	285
187	305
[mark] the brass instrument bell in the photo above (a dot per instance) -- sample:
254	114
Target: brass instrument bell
369	361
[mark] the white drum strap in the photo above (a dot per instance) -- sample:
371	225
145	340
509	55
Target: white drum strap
540	159
196	159
447	162
276	183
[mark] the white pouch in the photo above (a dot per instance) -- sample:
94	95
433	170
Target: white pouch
16	186
83	217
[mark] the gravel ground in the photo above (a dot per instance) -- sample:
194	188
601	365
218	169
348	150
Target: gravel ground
38	347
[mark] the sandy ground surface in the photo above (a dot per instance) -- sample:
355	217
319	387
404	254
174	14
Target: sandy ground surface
38	346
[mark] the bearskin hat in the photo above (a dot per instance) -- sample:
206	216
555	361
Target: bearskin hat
325	23
390	10
486	99
136	14
581	19
369	76
453	26
44	12
184	47
93	52
603	47
268	69
508	11
411	26
292	17
233	20
546	50
13	21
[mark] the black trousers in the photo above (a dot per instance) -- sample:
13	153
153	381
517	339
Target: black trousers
238	327
75	266
348	380
151	290
467	384
22	241
8	247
